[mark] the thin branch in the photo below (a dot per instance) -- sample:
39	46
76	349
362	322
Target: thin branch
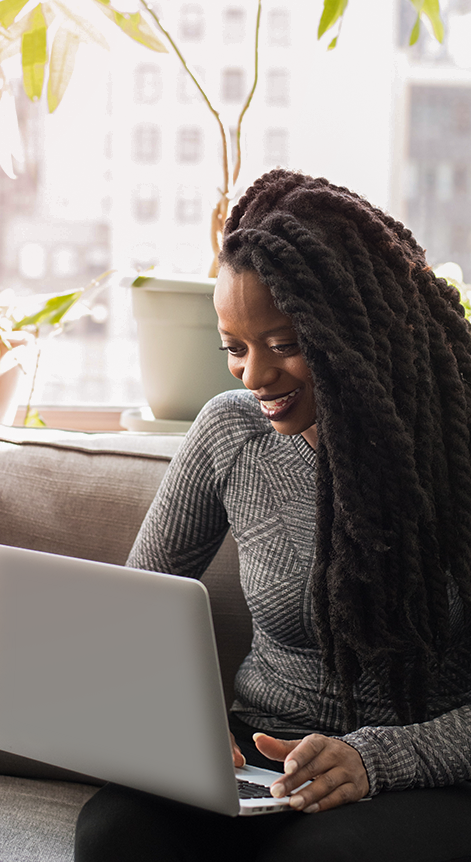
248	100
224	134
33	384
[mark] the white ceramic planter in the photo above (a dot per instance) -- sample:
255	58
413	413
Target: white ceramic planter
181	365
16	368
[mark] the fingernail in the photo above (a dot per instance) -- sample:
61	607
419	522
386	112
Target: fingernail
243	759
256	735
296	802
312	809
277	790
290	767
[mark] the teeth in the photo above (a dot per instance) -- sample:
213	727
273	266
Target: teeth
272	405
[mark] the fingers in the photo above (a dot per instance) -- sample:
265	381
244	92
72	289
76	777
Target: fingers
237	756
275	749
333	768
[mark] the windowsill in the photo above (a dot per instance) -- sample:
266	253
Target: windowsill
77	418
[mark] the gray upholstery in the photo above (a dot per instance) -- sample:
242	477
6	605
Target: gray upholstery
85	495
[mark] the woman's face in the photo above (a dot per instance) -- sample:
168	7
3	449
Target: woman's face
263	352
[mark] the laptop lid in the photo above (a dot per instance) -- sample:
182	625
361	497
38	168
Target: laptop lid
113	672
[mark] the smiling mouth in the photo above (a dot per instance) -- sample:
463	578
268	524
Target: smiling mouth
278	408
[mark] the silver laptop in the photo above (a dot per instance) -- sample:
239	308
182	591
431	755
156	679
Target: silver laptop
113	672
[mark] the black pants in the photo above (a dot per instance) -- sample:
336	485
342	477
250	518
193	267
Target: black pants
122	825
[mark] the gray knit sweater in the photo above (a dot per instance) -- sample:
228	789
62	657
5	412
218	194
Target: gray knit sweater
234	470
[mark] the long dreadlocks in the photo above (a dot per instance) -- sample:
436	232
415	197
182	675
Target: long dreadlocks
390	355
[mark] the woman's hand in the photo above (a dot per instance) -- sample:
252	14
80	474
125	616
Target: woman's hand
334	768
237	756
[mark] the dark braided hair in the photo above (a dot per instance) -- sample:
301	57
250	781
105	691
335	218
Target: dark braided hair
389	350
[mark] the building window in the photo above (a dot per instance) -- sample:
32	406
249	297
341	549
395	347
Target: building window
144	256
32	260
145	202
191	22
146	143
189	149
65	262
233	85
188	208
233	24
147	84
278	27
187	91
276	147
278	87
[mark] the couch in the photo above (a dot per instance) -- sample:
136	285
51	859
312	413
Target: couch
85	495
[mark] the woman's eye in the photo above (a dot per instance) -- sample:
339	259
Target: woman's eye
234	351
285	348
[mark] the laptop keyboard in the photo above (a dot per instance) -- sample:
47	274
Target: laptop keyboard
250	790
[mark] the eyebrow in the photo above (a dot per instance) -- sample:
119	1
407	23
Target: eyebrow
286	328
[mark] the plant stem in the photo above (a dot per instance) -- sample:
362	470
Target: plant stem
33	384
249	98
224	134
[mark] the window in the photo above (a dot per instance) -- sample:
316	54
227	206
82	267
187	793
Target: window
144	256
276	147
233	85
191	22
188	206
32	260
187	91
145	202
189	148
146	143
65	262
278	87
147	84
278	27
233	25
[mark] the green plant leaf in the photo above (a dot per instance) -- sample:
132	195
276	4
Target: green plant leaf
34	54
80	26
9	9
33	419
332	44
332	11
415	32
52	311
134	25
61	65
431	9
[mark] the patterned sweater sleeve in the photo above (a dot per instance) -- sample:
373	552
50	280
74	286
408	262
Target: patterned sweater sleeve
186	523
432	754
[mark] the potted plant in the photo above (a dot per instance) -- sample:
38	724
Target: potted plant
22	320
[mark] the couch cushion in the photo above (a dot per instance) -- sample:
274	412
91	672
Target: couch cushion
82	495
37	819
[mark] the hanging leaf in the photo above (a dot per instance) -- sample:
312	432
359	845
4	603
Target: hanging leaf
431	9
332	44
81	27
33	419
415	32
34	54
52	311
332	11
9	9
61	65
134	25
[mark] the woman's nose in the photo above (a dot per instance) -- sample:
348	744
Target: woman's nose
258	372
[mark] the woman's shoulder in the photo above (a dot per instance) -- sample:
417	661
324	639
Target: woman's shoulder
236	409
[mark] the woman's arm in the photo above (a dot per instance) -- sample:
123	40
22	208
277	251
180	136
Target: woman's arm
371	759
432	754
186	523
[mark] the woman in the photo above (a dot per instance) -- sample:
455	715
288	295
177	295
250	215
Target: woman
345	475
